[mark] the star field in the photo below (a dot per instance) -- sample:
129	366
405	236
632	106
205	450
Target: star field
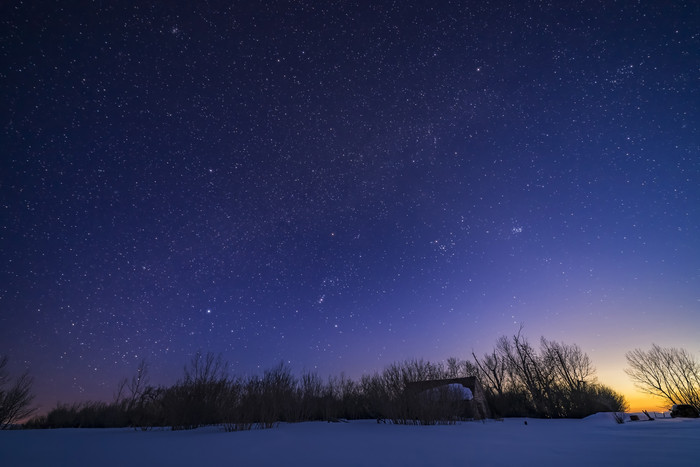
343	184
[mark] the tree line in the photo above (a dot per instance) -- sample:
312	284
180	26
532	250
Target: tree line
553	380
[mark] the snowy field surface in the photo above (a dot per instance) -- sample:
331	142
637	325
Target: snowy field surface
597	440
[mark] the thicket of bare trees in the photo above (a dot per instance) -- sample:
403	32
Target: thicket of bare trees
557	380
15	396
206	395
669	373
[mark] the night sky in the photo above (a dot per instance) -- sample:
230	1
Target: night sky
341	185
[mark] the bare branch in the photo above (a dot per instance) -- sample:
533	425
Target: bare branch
669	373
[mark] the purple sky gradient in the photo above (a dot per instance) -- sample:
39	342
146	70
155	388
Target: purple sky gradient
343	186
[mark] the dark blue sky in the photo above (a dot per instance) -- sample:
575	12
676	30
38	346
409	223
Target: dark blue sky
343	184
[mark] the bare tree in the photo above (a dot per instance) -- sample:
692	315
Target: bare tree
556	380
669	373
206	368
456	368
492	370
196	399
572	366
15	396
528	371
130	392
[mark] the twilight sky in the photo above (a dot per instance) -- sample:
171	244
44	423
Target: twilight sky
341	185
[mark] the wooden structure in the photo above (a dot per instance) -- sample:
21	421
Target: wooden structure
478	402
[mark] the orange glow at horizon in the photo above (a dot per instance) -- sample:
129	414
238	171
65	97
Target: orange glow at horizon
638	402
610	372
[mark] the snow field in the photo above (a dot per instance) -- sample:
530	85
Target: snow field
597	440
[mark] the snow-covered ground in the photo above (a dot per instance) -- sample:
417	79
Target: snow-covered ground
597	440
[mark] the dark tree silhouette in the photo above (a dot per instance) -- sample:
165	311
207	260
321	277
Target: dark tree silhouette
15	396
558	380
669	373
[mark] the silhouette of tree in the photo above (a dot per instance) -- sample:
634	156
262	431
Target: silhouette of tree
669	373
15	396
